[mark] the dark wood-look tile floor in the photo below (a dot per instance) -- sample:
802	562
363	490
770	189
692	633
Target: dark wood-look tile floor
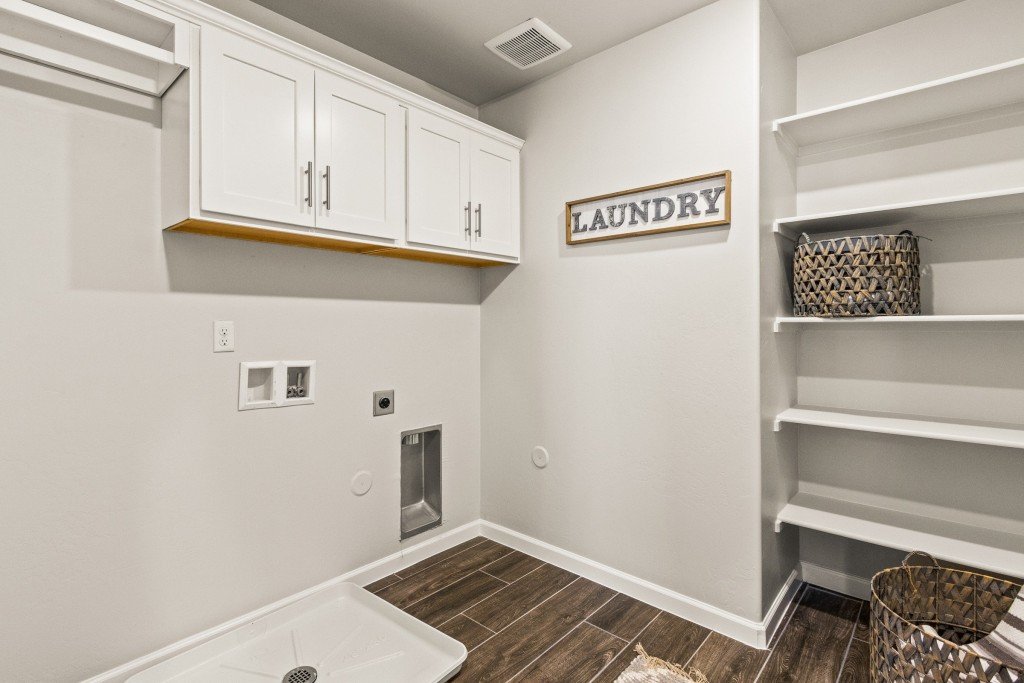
524	620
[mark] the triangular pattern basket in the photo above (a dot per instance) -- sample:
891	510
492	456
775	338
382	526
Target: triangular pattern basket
857	276
961	606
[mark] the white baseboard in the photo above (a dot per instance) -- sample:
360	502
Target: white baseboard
753	633
847	584
361	576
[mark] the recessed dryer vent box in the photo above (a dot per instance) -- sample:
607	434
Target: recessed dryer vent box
421	480
275	384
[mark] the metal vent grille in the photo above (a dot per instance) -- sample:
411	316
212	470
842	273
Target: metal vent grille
528	44
302	674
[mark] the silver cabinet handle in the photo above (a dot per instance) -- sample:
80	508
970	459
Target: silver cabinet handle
479	219
309	184
327	193
469	219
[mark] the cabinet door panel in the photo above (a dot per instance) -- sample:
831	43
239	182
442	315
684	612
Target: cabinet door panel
360	135
256	130
438	181
494	187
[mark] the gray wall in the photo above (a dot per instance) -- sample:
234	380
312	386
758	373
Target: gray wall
635	362
139	505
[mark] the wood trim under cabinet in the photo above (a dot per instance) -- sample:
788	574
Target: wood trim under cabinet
314	241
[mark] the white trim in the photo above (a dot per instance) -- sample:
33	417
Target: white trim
773	620
362	576
840	582
747	631
201	13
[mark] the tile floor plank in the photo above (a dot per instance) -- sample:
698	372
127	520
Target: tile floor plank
724	660
856	668
673	639
812	648
575	658
381	584
668	637
502	608
441	556
789	613
513	566
624	616
619	664
441	606
519	644
418	586
466	631
863	630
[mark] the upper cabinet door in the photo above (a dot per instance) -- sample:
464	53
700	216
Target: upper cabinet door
494	187
439	152
256	130
360	157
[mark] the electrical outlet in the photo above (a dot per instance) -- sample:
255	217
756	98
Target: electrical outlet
383	402
223	336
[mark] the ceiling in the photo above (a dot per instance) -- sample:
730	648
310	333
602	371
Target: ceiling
814	24
442	41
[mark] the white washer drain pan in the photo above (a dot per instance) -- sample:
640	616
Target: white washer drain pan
348	634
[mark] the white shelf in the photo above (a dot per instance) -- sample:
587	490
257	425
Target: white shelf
979	90
999	202
122	42
987	433
948	539
902	320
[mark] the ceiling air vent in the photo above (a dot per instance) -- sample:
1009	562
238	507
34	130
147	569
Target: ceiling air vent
528	44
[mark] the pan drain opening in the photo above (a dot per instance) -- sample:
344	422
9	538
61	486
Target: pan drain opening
301	674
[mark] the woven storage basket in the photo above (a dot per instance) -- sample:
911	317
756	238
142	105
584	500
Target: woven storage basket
961	606
857	276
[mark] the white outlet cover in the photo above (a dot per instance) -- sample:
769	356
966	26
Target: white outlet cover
223	336
361	482
540	457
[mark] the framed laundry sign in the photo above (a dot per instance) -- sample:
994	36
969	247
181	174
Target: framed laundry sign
698	202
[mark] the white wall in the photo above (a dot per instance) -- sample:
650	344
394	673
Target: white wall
972	266
635	362
968	35
139	505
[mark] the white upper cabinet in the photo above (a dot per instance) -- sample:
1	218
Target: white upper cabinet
463	188
439	206
266	140
257	130
360	159
494	189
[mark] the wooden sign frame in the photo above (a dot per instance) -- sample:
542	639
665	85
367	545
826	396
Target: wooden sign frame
725	211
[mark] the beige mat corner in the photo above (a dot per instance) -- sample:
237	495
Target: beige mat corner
648	669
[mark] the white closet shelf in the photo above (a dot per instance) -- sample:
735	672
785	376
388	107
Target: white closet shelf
964	431
122	42
902	320
950	538
977	205
974	91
